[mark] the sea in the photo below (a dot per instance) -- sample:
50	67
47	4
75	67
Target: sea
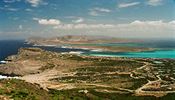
166	49
11	47
163	49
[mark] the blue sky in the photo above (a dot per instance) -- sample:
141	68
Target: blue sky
118	18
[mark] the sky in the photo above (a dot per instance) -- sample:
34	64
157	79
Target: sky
116	18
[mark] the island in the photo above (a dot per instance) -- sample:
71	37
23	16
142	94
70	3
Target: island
90	42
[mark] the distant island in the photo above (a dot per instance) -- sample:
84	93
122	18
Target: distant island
88	42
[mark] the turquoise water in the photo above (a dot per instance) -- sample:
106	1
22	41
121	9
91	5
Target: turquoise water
164	49
112	44
150	54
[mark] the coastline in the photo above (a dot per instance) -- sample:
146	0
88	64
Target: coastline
118	52
52	70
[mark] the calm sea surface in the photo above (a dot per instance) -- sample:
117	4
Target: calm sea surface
165	49
150	54
11	47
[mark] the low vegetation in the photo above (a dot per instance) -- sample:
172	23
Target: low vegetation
20	90
83	77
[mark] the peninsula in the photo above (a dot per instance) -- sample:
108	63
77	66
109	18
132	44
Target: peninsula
69	76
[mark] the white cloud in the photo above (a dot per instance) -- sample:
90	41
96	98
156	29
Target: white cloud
48	21
154	2
34	3
102	9
172	22
149	25
11	9
98	11
82	26
135	29
125	5
137	22
146	29
75	19
34	18
159	24
79	20
94	13
8	8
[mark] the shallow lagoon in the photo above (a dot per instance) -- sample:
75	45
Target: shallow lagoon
164	49
150	54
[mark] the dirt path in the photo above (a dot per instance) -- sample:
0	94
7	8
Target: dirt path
140	91
42	78
107	86
142	67
160	93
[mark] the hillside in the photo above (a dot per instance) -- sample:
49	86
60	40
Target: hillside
74	76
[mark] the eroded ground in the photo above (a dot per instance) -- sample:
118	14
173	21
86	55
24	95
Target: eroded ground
68	76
